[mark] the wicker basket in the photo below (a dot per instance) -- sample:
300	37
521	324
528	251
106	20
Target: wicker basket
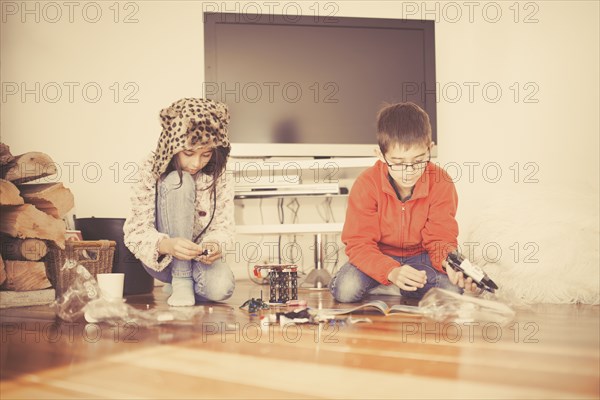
95	256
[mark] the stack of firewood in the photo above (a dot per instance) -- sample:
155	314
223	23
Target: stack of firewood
31	218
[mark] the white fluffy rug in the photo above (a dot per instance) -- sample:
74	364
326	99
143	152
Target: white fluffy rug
549	242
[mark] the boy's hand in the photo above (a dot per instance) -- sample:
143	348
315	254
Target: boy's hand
408	278
180	248
457	278
211	252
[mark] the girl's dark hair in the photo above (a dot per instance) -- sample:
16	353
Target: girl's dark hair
213	169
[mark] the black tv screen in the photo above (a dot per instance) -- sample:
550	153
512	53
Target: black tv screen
313	88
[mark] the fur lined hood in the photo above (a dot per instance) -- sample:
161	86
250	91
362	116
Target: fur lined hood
187	124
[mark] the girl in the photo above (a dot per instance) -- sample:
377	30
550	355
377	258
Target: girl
182	206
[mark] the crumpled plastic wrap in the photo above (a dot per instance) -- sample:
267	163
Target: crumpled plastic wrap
83	299
84	288
446	306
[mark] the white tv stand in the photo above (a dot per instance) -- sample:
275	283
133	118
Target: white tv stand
318	277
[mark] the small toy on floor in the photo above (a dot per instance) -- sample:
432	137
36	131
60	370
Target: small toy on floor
283	281
298	316
255	304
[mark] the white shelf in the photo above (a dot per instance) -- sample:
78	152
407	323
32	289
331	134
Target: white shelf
283	195
282	229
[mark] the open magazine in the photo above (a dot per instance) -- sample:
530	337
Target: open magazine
440	305
373	305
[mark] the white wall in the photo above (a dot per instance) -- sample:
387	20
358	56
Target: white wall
160	57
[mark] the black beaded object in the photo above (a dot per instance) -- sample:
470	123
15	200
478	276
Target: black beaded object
283	281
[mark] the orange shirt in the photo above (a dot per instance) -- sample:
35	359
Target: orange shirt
378	225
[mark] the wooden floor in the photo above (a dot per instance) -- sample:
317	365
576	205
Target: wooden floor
550	351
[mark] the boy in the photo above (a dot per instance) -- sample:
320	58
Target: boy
400	222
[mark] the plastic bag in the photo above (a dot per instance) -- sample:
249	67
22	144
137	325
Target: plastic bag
446	306
83	299
84	288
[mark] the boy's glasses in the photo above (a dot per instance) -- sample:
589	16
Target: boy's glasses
415	166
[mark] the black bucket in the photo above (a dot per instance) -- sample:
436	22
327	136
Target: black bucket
137	280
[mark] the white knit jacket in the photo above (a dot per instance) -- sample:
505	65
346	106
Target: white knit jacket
141	236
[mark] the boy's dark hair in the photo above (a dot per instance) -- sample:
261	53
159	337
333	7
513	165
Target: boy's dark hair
403	124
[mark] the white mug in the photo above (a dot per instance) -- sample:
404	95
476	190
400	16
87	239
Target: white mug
111	285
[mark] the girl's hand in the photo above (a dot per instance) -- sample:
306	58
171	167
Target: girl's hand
408	278
457	278
213	252
180	248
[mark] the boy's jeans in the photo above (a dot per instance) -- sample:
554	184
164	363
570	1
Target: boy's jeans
175	210
350	285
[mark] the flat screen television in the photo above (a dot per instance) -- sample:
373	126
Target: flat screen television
305	87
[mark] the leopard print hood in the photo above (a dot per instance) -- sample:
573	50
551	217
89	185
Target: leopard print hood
189	123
